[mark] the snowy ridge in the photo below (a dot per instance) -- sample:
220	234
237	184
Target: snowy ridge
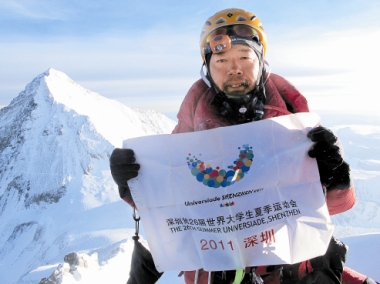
56	192
362	148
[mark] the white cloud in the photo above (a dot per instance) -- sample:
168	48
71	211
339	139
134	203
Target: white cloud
336	70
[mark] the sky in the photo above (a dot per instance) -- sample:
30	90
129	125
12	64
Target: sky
145	54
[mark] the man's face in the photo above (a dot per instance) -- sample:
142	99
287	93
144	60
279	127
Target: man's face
235	71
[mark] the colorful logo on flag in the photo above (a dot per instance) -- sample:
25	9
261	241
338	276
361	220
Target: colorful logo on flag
217	177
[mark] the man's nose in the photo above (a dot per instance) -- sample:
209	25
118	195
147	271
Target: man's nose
234	68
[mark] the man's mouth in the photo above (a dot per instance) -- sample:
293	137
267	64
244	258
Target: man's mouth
238	85
235	85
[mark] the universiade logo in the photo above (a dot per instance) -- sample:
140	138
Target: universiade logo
220	177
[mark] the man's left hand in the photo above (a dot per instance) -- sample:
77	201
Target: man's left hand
333	171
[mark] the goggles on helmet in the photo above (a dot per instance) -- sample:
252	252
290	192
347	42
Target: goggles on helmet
220	39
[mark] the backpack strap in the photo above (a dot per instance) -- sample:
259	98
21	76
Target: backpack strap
239	275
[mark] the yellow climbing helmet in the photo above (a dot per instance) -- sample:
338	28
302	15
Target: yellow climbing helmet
230	17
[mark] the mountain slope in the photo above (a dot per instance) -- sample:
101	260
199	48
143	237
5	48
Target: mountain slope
56	191
362	149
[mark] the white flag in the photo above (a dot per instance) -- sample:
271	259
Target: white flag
232	197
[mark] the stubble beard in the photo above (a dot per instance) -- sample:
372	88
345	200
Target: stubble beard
236	93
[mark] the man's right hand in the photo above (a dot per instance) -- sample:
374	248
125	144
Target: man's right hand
124	167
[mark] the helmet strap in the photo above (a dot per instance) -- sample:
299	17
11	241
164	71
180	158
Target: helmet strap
204	77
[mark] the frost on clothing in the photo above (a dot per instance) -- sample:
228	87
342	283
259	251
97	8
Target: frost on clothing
196	114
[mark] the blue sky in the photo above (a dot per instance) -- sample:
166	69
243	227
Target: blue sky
145	53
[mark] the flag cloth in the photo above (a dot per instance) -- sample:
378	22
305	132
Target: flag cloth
232	197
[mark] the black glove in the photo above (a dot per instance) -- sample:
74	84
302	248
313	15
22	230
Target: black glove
333	171
123	168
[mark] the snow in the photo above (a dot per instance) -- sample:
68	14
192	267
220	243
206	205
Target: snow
61	214
363	254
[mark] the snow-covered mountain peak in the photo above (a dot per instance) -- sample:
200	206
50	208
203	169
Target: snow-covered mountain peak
109	117
56	191
64	90
59	130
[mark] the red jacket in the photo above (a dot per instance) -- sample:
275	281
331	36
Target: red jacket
196	114
283	98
